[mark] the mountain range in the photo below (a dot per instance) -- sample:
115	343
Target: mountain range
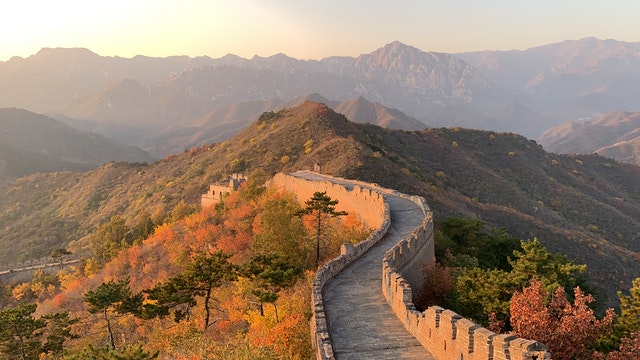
142	100
571	80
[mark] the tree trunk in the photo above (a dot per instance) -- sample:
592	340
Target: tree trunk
275	308
318	233
206	308
111	340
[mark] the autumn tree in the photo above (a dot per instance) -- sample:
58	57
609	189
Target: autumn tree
110	299
567	329
320	207
437	285
109	239
278	230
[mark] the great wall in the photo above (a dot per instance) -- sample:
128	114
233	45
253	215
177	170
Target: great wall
349	320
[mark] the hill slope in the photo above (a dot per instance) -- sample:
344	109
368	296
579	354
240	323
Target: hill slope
35	143
586	207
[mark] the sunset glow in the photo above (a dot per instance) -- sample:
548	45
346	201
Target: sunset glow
304	29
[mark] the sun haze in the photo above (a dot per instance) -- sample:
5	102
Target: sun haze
308	30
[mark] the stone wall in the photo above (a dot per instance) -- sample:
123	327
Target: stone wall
368	204
375	214
446	335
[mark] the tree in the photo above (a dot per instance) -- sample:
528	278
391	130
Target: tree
567	329
58	331
534	260
270	274
172	295
438	284
204	273
60	255
277	229
629	349
471	237
321	207
20	333
629	319
24	337
112	298
109	239
479	292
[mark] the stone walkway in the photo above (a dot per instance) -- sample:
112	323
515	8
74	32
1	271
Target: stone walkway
361	323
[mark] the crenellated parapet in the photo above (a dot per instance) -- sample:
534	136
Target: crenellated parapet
445	334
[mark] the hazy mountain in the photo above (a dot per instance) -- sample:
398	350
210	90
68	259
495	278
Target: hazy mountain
222	124
34	143
135	100
133	108
616	136
54	77
584	206
574	78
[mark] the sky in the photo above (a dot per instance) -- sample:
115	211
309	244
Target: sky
305	29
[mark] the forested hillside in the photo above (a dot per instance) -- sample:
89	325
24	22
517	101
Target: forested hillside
583	206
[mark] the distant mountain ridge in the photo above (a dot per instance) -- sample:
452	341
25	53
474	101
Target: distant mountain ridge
134	100
35	143
137	100
573	79
616	135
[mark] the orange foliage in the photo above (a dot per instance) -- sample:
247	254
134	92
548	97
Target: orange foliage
59	300
202	238
237	244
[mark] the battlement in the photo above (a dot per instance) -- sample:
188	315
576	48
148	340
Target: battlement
221	189
444	333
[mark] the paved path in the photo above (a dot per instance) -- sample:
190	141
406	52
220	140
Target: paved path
361	323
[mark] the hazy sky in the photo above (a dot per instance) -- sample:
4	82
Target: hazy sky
305	29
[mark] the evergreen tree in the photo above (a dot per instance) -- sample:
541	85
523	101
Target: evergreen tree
270	274
110	299
321	207
204	273
20	333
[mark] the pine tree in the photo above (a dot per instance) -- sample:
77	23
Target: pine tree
112	298
321	207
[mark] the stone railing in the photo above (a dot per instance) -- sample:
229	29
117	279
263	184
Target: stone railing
445	334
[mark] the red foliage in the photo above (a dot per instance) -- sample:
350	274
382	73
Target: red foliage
567	329
438	282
